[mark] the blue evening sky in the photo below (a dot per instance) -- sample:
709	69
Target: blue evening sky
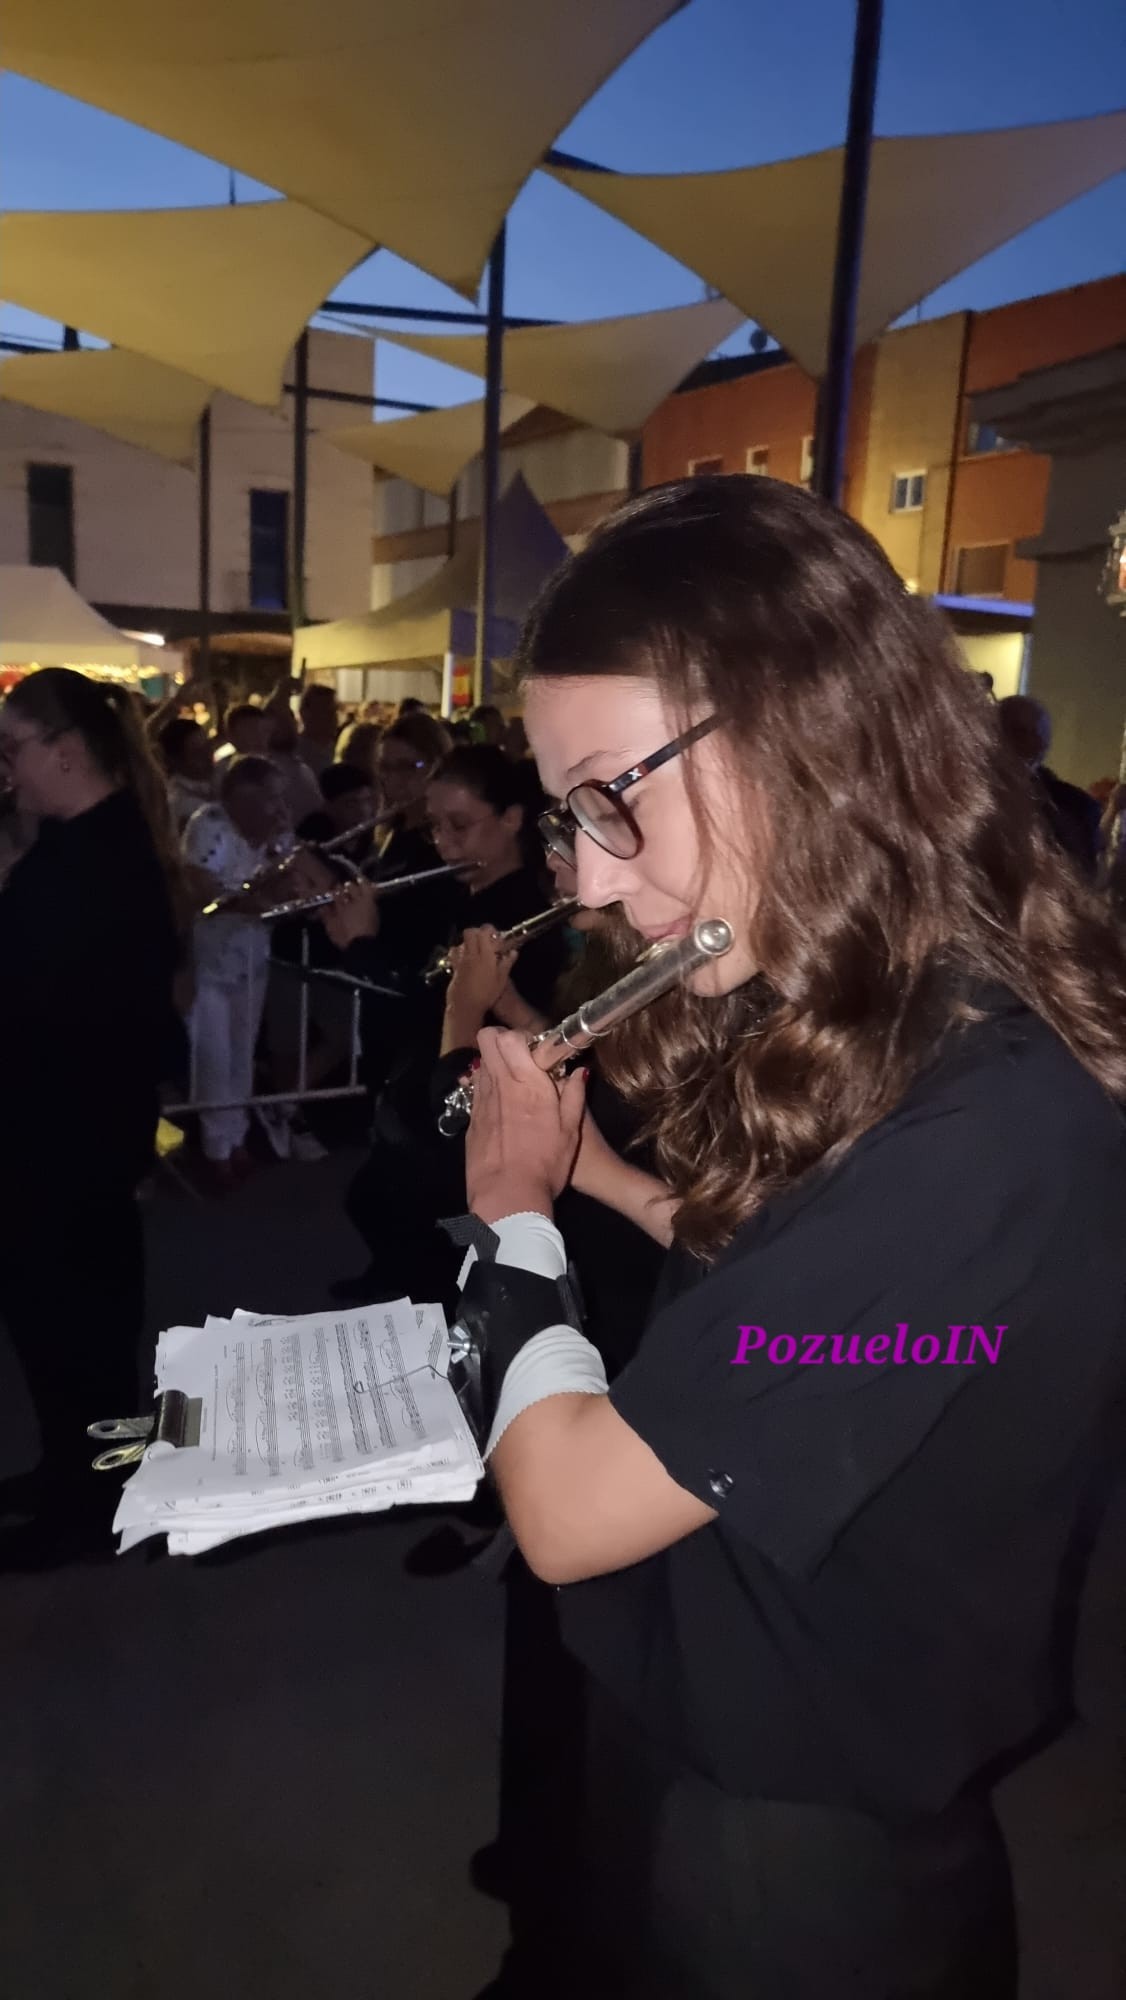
725	83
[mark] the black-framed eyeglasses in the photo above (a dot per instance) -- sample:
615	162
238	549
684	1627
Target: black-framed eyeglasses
596	808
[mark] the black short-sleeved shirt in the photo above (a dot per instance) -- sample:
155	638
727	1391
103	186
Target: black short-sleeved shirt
88	951
874	1618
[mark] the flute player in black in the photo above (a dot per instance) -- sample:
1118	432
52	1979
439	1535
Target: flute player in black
820	1606
88	950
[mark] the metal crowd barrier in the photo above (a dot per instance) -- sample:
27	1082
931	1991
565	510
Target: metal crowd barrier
300	1092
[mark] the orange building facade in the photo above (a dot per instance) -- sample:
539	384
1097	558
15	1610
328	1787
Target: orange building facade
949	500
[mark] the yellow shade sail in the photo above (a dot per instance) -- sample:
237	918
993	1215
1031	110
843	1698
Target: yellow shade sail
431	449
765	236
222	293
608	373
415	122
126	395
439	616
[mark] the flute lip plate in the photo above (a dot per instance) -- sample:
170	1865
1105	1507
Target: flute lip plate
715	936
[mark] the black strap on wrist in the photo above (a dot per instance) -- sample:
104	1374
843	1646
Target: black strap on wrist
501	1308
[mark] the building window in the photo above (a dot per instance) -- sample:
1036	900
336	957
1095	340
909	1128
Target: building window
50	518
981	438
908	491
807	461
758	458
980	571
269	550
703	468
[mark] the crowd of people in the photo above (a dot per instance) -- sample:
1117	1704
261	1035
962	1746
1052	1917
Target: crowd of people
918	1040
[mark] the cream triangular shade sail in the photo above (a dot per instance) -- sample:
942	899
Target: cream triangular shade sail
222	293
45	623
765	236
430	450
439	616
415	122
126	395
608	373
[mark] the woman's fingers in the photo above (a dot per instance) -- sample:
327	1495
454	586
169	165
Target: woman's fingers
504	1053
572	1104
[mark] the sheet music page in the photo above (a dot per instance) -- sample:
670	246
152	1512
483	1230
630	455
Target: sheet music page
288	1403
302	1418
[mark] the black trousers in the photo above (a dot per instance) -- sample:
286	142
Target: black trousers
72	1305
686	1893
541	1764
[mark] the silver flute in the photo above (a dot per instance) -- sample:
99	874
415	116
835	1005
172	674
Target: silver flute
665	965
277	865
520	934
390	887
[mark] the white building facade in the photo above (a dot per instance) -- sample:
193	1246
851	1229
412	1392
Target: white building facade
125	523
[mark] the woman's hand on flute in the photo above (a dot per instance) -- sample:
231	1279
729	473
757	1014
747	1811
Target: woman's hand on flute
355	914
479	972
524	1133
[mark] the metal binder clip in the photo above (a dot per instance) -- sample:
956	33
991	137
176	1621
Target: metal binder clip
175	1420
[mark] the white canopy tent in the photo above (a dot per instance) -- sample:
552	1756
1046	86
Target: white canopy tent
45	623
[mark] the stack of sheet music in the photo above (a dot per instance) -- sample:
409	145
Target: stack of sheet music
332	1413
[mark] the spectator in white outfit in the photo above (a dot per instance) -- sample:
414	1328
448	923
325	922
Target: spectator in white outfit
231	840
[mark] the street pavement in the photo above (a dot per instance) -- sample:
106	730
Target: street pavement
260	1775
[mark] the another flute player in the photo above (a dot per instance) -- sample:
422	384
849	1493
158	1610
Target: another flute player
818	1547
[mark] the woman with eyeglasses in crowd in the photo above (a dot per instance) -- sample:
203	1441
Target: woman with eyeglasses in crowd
89	948
480	818
823	1586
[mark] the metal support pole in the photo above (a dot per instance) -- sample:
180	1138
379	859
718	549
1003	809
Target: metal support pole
634	468
832	410
490	462
363	309
451	520
360	402
300	502
203	480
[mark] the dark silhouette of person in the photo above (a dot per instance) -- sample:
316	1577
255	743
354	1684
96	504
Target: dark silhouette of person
1071	816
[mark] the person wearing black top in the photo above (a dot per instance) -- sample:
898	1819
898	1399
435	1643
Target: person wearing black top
408	754
348	796
409	926
88	945
819	1545
349	803
477	812
1071	815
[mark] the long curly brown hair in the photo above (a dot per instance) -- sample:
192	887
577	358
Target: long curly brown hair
906	853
